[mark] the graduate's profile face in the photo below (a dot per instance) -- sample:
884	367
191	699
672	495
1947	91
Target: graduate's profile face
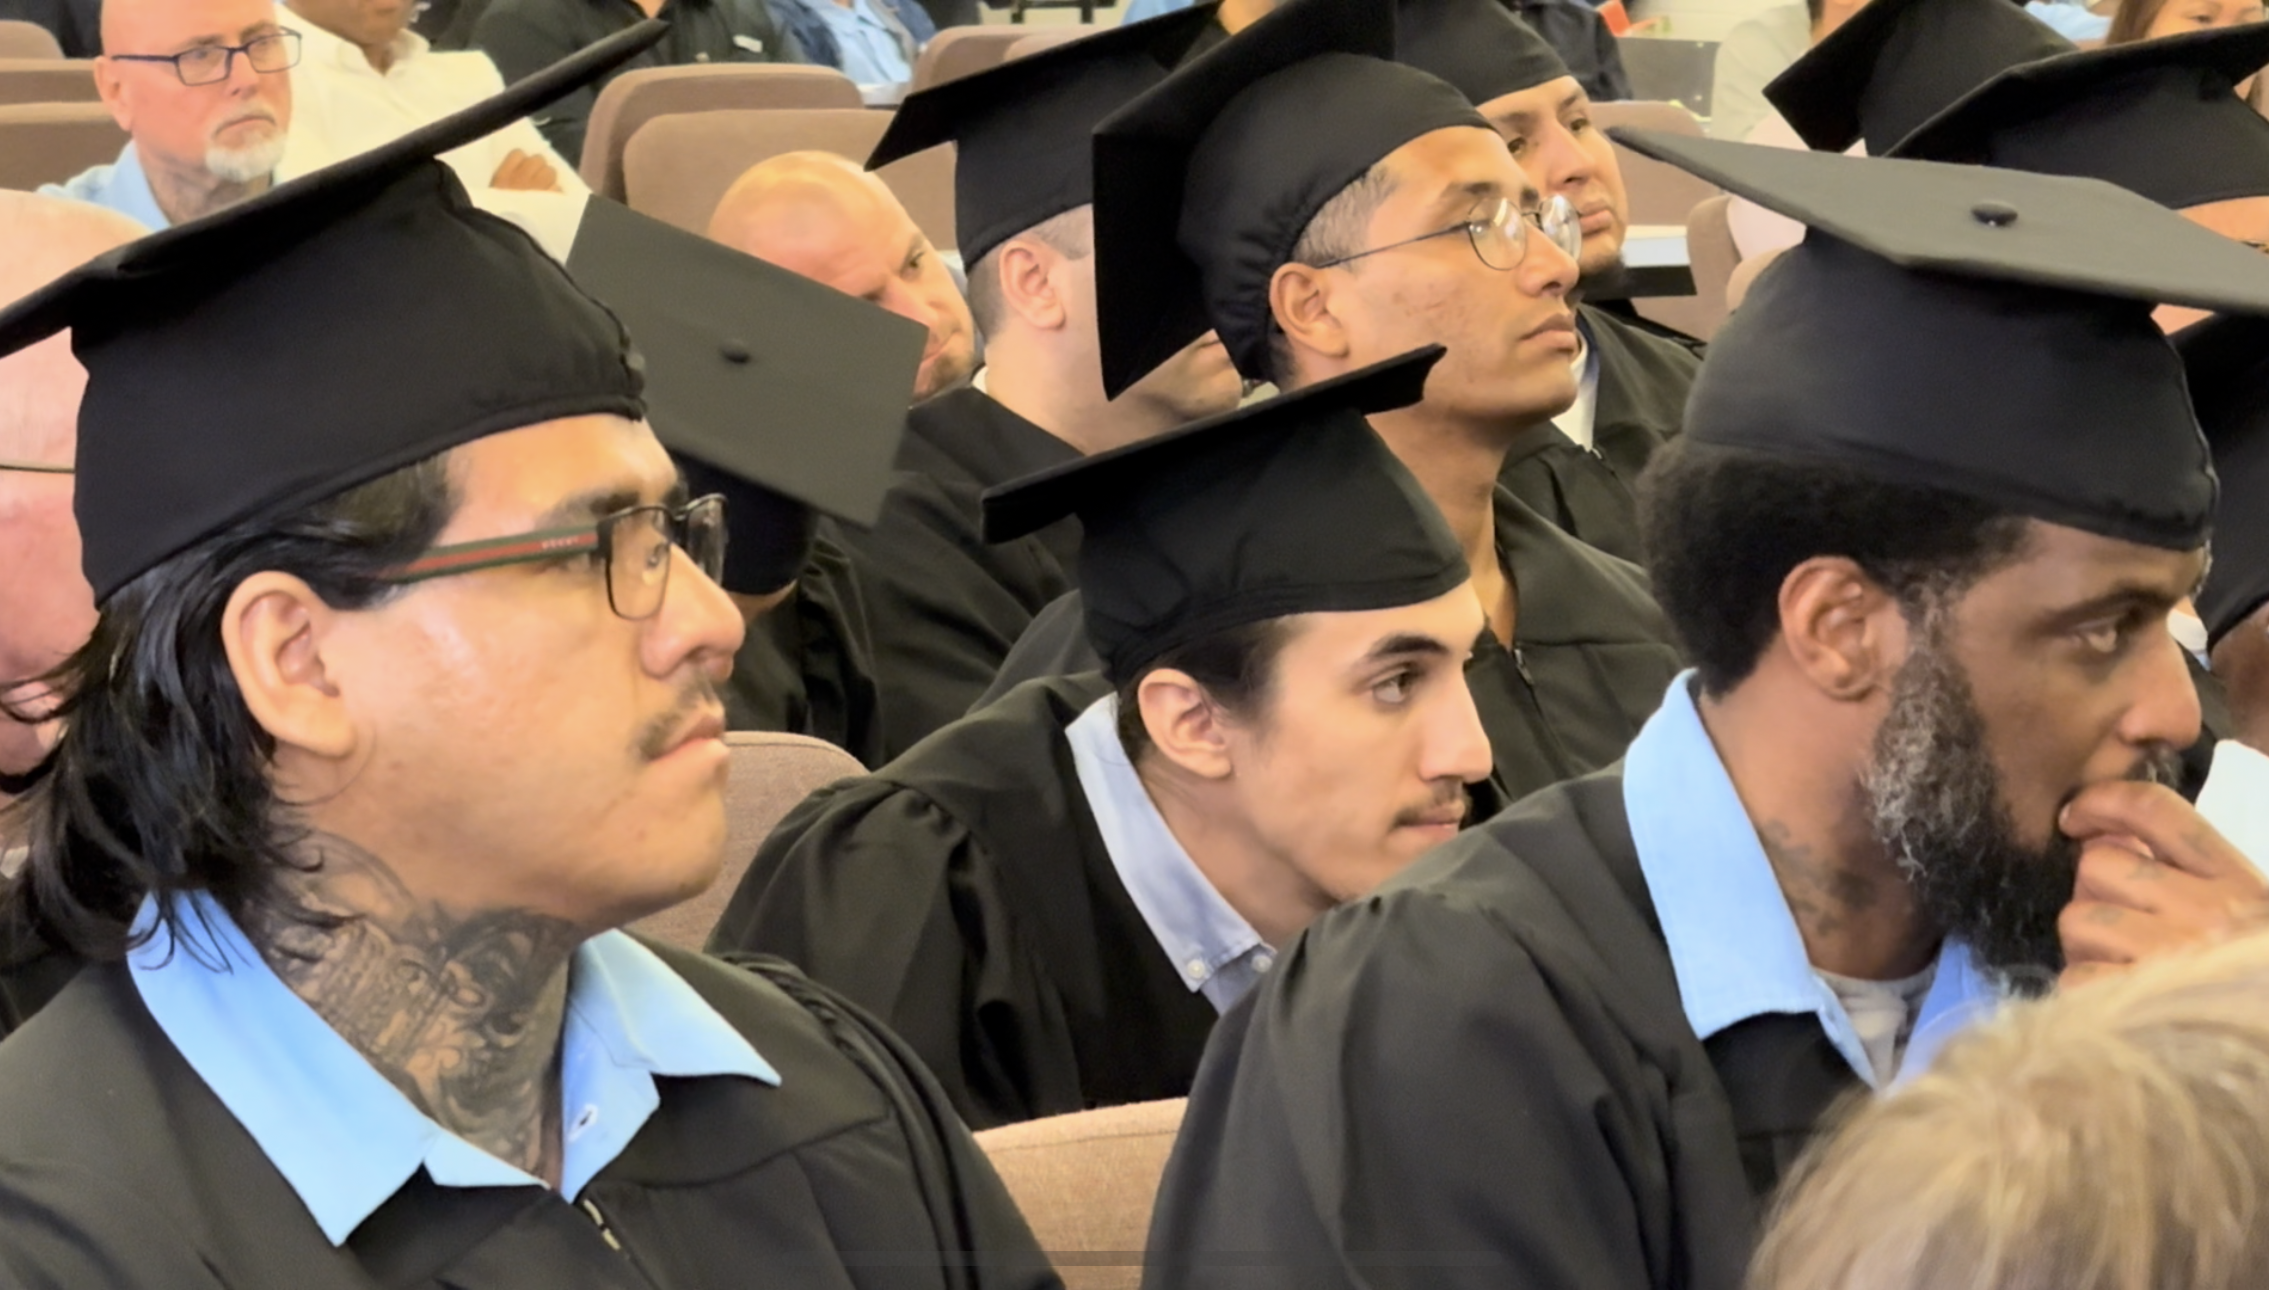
2241	219
1369	739
1551	133
525	745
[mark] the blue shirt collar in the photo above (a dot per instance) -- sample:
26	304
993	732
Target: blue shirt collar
345	1138
1733	943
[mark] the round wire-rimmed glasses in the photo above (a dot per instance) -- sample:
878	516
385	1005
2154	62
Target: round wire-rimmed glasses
277	51
1498	231
633	546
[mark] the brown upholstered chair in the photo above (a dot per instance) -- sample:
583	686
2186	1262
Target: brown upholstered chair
634	98
27	40
770	774
1745	273
47	143
47	80
1711	255
1086	1183
1660	193
958	51
677	167
1046	38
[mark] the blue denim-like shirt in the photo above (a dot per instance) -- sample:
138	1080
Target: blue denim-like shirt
867	44
1733	942
345	1138
120	186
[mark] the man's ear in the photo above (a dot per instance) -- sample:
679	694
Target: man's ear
274	631
113	93
1184	725
1028	286
1300	297
1844	631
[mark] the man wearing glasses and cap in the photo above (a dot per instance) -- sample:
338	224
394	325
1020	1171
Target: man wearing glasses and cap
400	703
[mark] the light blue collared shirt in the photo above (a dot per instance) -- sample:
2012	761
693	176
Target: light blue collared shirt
1213	949
2070	20
1733	943
869	44
346	1139
1137	10
120	186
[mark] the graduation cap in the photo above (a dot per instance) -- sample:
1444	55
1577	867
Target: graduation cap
2227	359
1291	506
1897	63
2157	117
1478	46
781	393
1982	331
1204	184
1022	130
337	327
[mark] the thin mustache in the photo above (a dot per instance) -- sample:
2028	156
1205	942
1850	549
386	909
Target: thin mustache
664	732
1445	798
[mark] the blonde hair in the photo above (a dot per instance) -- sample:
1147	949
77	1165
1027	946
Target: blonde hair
2112	1138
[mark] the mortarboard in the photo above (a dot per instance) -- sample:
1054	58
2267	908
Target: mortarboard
2157	117
1289	506
1982	331
1897	63
1023	151
1478	46
777	391
1204	184
337	327
2227	359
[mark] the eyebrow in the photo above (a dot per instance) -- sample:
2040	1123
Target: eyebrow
596	504
1522	118
1464	197
2127	597
1403	645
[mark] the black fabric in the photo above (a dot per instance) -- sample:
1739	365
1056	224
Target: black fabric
2227	362
522	35
1481	1076
1640	405
943	605
32	972
1288	506
1585	42
963	894
76	24
1209	37
1478	46
1022	132
853	1173
768	537
807	665
1897	63
1204	184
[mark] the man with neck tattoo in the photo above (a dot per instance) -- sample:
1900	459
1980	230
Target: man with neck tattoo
1920	538
401	701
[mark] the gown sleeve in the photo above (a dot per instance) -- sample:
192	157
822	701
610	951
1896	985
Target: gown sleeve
63	1228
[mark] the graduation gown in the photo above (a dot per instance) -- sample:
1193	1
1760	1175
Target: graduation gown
807	667
852	1173
943	606
963	894
1643	380
1481	1076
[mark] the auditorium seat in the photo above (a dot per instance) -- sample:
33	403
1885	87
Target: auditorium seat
676	168
20	39
1711	255
958	51
1086	1183
47	80
637	97
1660	194
47	143
1047	38
770	773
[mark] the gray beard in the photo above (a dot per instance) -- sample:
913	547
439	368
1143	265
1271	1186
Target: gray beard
249	164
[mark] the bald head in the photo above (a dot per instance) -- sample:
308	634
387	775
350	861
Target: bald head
205	146
821	216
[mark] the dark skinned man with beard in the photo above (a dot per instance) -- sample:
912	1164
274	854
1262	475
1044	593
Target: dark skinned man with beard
1921	538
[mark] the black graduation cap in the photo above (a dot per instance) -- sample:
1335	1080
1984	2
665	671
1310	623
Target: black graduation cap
1983	331
777	391
1022	130
1204	184
1897	63
1479	46
337	327
2157	117
1291	506
2227	359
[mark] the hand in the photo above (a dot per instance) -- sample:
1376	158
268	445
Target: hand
526	174
2154	877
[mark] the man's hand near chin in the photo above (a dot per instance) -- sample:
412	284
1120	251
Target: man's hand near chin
2154	877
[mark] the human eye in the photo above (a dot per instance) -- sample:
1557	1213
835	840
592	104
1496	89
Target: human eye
202	60
1395	689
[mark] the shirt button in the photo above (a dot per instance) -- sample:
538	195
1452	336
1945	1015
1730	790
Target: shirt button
1195	968
589	1117
1263	961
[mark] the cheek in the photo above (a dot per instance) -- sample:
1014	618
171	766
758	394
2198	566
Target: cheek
1329	808
46	607
2049	732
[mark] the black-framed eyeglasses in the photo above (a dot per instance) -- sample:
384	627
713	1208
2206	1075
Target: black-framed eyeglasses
1498	231
634	547
278	51
37	467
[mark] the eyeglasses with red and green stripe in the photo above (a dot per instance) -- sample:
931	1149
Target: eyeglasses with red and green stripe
633	547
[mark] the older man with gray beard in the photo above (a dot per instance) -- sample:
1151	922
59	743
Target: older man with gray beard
200	86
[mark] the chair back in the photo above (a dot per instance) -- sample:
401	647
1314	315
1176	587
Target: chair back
47	143
678	167
1087	1183
1659	193
1045	38
1671	71
958	51
1711	256
47	80
636	97
20	39
770	774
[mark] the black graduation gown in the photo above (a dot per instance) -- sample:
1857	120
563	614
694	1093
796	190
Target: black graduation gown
852	1173
963	894
1643	381
2215	724
807	667
1481	1076
943	606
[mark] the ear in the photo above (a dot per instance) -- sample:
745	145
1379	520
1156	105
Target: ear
1028	287
1184	725
1300	297
274	631
1846	634
112	88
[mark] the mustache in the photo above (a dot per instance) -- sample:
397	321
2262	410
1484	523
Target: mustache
696	703
1450	805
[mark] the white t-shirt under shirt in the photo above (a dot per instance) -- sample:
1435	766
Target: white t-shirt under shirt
1883	1014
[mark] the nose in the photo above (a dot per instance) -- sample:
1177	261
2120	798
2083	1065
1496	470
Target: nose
697	625
243	81
1456	746
1557	164
1546	270
2165	712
